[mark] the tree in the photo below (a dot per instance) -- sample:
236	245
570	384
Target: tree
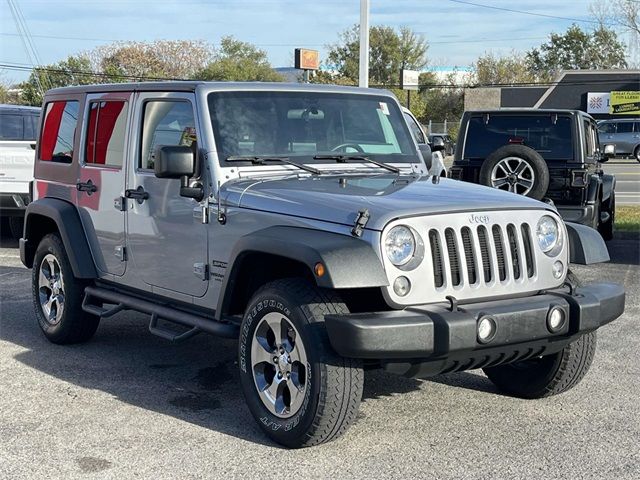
389	52
490	69
621	13
577	49
127	61
239	61
75	70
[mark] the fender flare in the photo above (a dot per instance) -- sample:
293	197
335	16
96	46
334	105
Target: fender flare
349	262
586	245
66	217
608	186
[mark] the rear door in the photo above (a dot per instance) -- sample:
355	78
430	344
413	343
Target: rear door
101	179
167	238
624	138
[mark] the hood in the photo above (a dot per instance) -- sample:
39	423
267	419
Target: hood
337	199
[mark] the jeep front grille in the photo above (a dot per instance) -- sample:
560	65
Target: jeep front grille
474	244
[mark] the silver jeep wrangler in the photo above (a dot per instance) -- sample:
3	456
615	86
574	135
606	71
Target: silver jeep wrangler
301	221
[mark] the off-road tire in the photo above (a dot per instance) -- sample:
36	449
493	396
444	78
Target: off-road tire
334	383
75	325
529	155
606	228
549	375
16	226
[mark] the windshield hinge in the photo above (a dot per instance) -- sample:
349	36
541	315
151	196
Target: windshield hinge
360	223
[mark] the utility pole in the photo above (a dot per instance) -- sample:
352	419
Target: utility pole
363	73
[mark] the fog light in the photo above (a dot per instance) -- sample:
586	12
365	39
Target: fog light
401	286
558	269
555	319
486	329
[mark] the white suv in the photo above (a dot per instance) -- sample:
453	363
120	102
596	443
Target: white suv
18	128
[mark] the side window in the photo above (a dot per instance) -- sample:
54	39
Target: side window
607	128
636	127
625	127
165	122
416	131
106	129
58	132
590	139
11	127
29	131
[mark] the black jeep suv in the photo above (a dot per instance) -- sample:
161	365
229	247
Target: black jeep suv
544	154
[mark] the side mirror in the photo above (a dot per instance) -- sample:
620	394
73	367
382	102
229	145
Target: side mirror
608	153
425	149
178	161
437	145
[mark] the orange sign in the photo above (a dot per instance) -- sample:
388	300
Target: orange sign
306	59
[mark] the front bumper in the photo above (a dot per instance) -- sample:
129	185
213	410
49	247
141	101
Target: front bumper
14	204
432	339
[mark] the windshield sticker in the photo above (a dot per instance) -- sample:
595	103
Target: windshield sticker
384	107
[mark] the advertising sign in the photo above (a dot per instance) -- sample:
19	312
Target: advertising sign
598	102
625	103
409	79
306	59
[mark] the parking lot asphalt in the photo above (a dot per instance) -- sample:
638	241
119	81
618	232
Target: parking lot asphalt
128	404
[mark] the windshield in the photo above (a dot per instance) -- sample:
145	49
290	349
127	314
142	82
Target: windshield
552	140
302	125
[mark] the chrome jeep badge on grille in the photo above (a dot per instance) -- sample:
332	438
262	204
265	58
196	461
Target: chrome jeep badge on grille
484	219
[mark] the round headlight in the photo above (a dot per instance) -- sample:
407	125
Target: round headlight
548	234
400	245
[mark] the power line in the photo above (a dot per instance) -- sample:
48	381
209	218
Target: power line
524	12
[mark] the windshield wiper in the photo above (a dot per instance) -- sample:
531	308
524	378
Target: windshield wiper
345	158
260	160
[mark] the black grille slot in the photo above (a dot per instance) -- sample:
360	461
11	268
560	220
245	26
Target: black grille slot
436	256
468	255
454	257
528	250
513	247
497	239
483	240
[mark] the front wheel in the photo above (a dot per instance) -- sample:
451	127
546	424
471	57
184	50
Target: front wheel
548	375
298	389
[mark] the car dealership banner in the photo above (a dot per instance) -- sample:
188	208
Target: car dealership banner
625	103
598	102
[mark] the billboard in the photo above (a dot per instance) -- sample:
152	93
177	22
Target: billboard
625	103
598	102
306	59
409	79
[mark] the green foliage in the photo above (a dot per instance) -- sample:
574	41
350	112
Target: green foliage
390	51
239	61
71	71
490	69
577	49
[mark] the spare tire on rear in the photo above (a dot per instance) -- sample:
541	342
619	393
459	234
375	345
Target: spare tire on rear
518	169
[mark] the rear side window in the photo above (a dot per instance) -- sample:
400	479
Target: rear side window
551	140
625	127
11	127
416	131
58	131
165	123
106	131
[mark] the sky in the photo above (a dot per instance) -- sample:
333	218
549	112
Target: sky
457	31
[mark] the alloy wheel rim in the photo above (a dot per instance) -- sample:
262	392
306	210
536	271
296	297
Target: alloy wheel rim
51	289
279	365
513	174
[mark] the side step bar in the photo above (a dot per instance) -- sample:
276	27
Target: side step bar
123	301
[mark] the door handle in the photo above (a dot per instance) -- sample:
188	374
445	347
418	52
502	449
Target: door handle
87	186
139	194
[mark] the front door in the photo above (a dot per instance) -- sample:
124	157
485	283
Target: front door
102	178
165	235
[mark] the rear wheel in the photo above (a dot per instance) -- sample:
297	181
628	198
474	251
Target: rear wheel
636	153
57	295
298	389
548	375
